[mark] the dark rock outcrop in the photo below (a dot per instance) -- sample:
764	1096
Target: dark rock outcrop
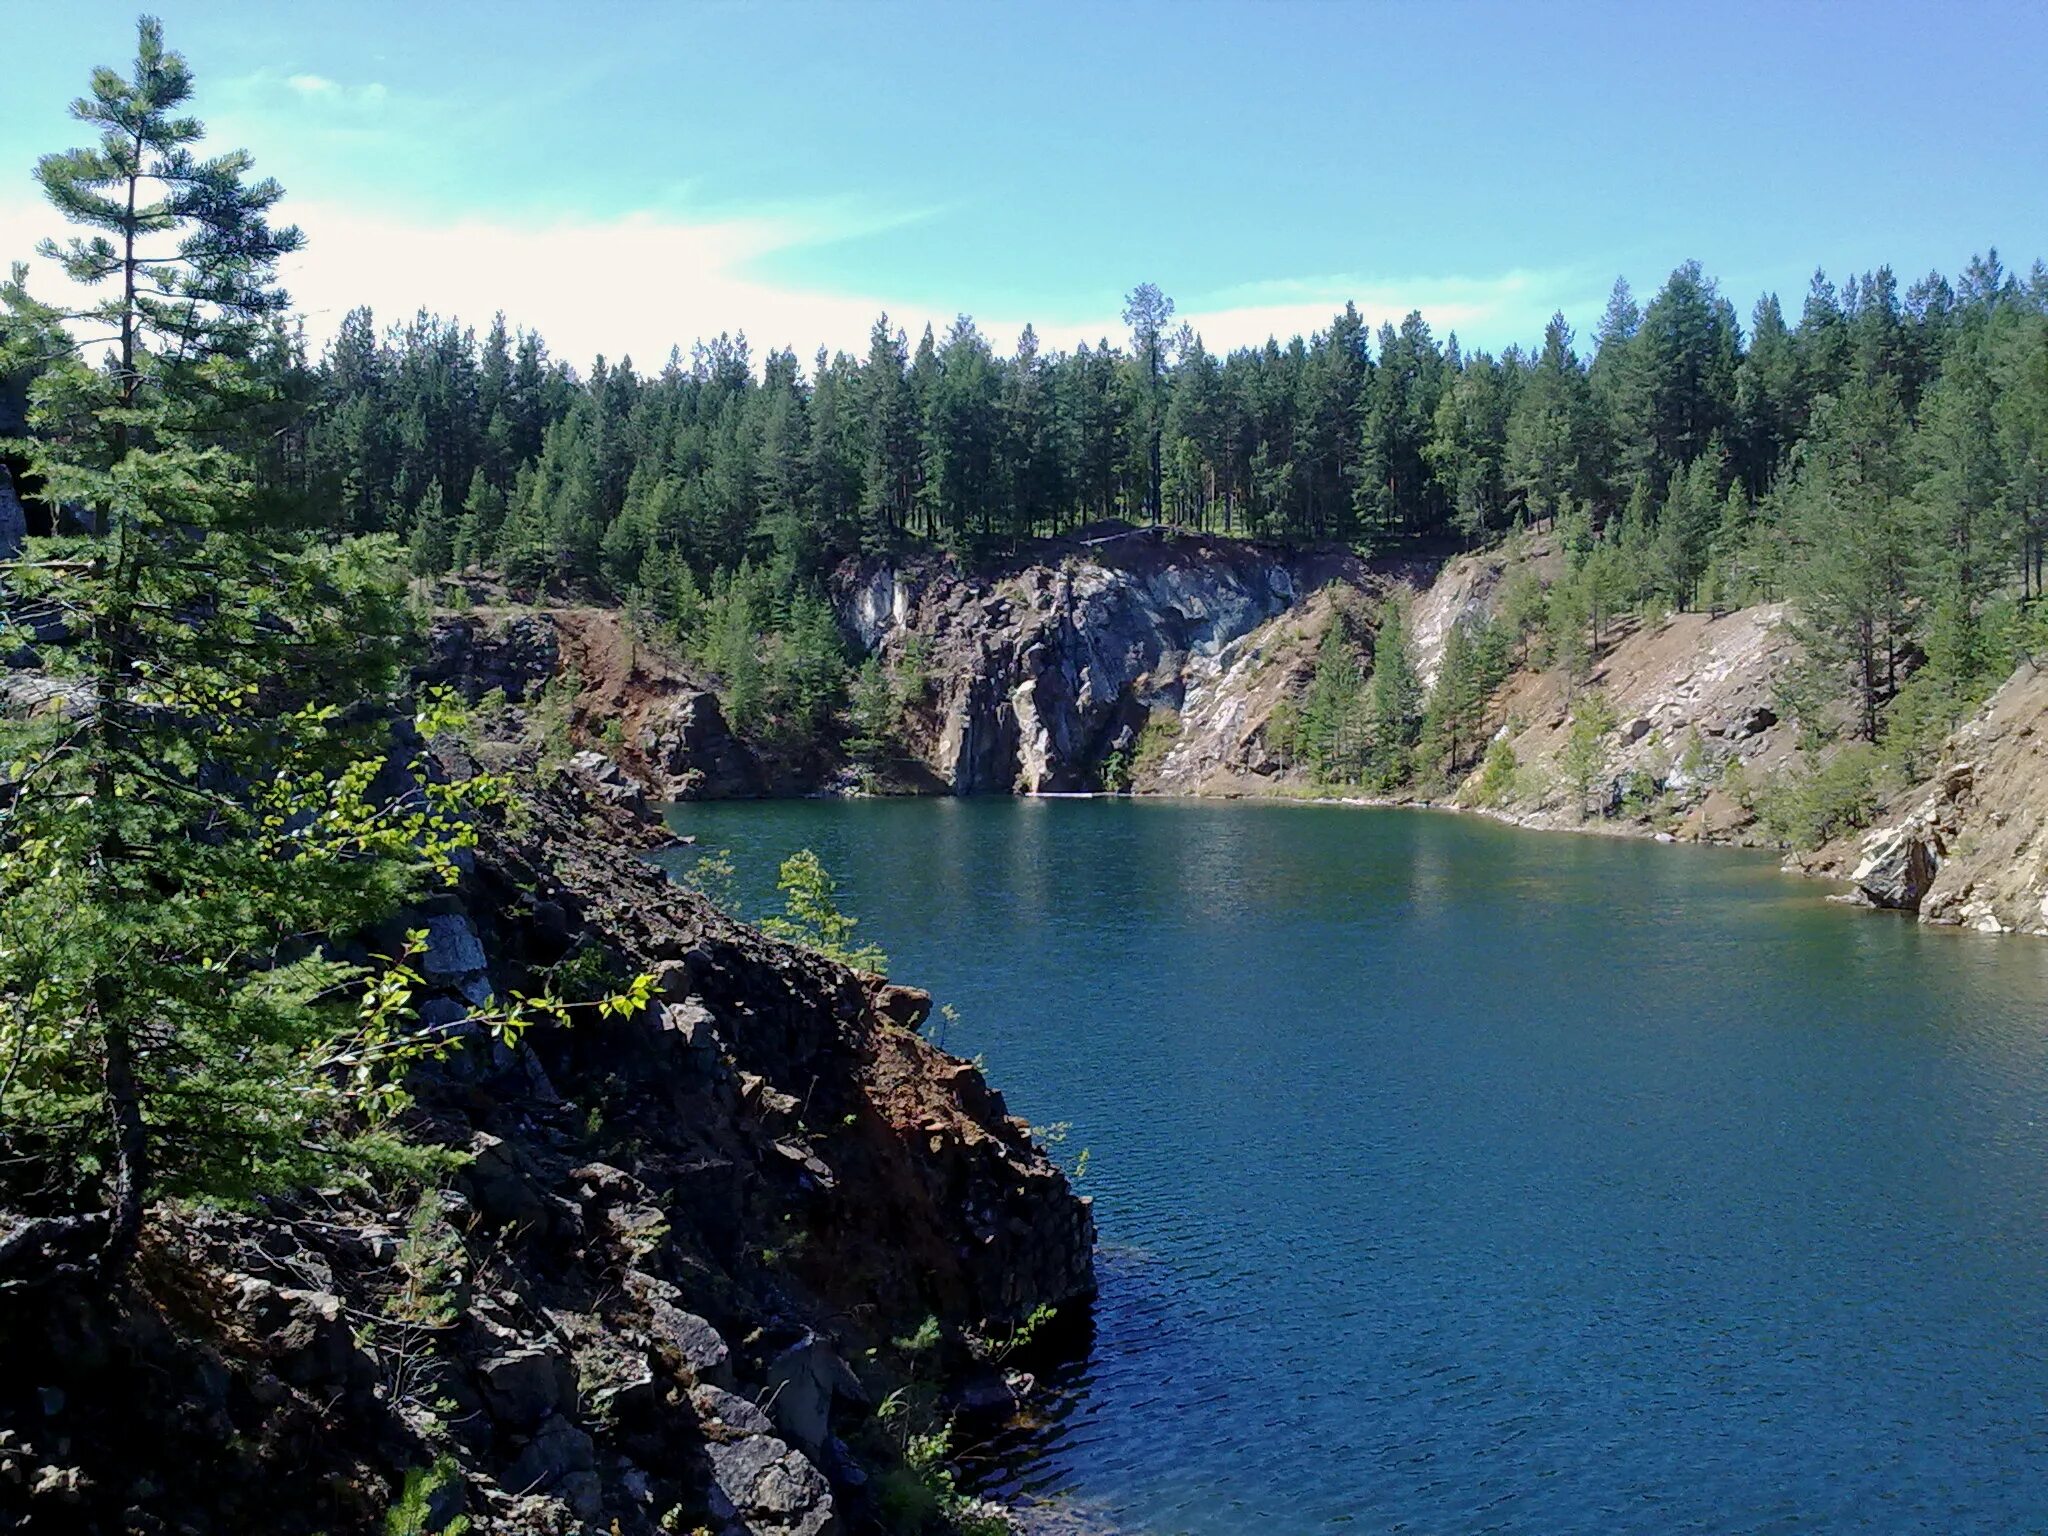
635	1307
475	654
685	739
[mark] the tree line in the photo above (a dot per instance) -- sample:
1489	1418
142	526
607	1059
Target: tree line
1883	459
1879	459
1379	440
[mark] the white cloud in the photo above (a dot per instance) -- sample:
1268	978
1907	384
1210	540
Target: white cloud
637	284
266	91
629	286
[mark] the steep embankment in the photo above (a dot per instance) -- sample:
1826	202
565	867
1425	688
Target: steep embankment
1696	735
662	725
659	1296
1968	846
1691	695
1219	743
1027	678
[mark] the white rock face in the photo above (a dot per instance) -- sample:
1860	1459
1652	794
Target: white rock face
1034	742
878	605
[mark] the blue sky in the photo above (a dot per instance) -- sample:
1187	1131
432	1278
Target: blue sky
625	176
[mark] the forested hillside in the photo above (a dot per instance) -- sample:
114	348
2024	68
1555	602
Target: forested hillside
1883	461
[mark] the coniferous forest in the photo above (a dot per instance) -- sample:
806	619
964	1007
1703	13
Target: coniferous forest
1883	457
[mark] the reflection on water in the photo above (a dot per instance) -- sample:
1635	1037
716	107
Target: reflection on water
1453	1178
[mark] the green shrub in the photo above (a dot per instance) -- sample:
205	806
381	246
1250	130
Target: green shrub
1161	731
811	915
1116	772
1496	774
413	1514
1808	806
1584	757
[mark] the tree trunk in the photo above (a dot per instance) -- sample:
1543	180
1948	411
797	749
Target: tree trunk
118	1075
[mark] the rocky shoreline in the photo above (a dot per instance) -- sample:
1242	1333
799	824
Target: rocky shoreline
1167	662
686	1259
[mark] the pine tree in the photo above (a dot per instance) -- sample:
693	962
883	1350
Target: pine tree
1146	312
433	545
176	838
1393	702
2020	353
1331	718
476	533
873	707
1683	542
1847	519
1686	353
1770	403
1467	672
1965	541
889	481
1550	436
1395	495
1584	757
1620	395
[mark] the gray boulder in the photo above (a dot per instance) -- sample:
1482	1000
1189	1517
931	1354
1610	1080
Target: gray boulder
303	1334
1898	865
688	1344
605	781
762	1486
454	952
803	1380
691	1035
730	1411
523	1387
560	1459
1899	862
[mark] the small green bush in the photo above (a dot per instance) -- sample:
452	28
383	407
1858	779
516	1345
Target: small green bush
811	915
1496	775
413	1513
1806	807
1161	731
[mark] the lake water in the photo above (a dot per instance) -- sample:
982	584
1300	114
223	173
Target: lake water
1453	1178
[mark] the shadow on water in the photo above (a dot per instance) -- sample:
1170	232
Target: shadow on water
1457	1178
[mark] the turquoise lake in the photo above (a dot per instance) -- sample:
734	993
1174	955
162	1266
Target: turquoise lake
1453	1178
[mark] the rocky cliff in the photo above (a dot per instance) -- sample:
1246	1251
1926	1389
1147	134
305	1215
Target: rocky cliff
1029	676
662	725
1968	846
1692	694
1219	744
660	1294
1165	662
